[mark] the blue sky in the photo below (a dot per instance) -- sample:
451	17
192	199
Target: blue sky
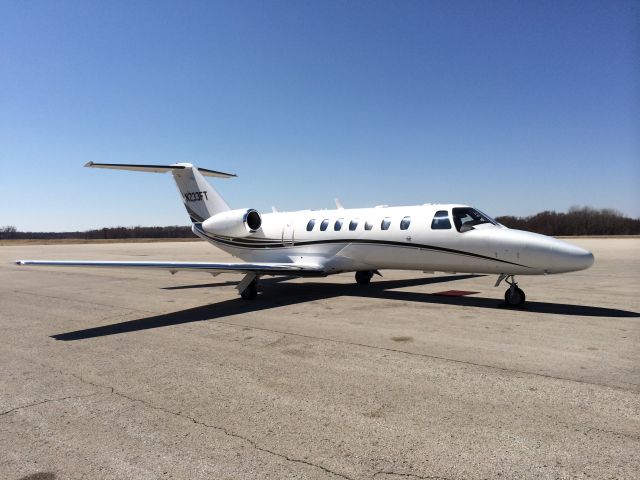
513	107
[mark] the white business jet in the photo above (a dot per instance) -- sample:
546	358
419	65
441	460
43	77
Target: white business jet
317	243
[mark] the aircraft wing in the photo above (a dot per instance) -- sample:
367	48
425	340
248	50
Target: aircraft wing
289	269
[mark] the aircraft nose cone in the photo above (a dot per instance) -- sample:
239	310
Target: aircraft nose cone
569	258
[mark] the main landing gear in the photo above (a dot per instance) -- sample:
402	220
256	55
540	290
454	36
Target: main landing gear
514	296
363	277
248	287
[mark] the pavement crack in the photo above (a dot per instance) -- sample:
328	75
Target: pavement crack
266	450
88	382
224	430
410	475
611	432
48	400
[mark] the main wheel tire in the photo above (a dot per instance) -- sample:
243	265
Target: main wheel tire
514	297
251	292
364	277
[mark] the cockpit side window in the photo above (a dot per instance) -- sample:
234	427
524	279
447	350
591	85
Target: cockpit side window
441	221
465	218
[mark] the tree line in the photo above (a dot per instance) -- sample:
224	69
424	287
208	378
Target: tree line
577	221
175	231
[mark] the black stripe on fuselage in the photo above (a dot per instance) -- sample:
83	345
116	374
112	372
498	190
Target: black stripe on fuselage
273	243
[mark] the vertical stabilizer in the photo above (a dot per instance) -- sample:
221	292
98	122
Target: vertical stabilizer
199	198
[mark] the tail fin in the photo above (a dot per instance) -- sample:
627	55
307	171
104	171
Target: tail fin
199	198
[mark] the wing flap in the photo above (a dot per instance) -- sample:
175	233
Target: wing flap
295	269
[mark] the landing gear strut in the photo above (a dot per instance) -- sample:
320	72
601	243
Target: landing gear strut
248	287
514	296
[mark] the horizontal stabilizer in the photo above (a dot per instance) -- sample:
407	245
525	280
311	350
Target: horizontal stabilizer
159	168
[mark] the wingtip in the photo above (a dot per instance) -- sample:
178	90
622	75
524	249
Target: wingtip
88	164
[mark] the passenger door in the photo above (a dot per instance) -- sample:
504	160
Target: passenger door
287	235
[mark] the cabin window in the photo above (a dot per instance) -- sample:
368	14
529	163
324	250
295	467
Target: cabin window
324	224
338	225
405	222
311	224
441	221
386	222
353	224
470	217
368	225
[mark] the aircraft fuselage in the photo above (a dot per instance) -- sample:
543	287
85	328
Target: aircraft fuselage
409	242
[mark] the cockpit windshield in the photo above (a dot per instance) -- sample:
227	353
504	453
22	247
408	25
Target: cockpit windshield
464	218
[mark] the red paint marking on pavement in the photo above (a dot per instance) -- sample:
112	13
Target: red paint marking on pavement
454	293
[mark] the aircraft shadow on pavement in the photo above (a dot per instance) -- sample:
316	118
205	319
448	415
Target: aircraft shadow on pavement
275	294
227	283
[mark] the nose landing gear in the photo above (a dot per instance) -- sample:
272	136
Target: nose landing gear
514	296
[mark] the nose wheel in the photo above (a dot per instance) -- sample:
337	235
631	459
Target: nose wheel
514	296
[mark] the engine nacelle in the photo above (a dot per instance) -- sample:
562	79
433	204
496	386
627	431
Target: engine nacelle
233	223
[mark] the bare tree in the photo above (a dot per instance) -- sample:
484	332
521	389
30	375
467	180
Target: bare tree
8	232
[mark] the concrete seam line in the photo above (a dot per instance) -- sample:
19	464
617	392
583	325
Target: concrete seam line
434	357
